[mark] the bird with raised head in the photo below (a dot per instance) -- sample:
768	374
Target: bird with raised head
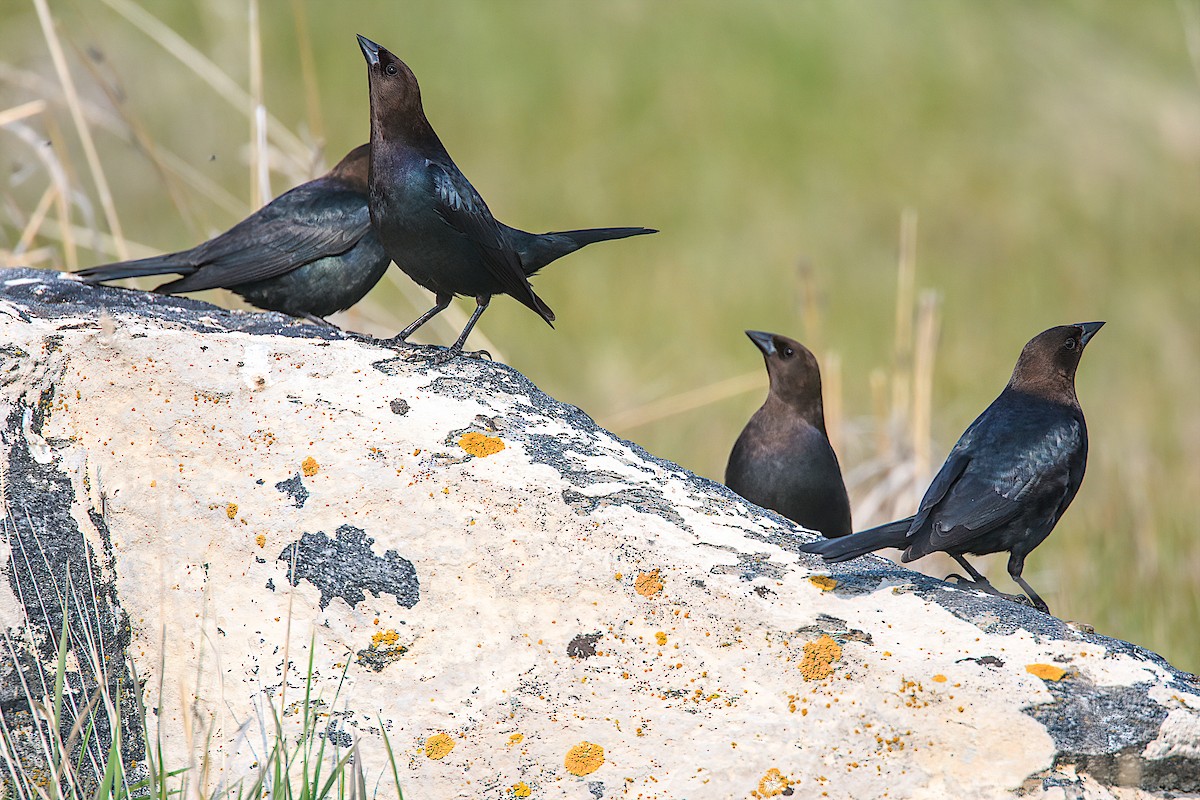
1010	477
433	223
308	253
783	460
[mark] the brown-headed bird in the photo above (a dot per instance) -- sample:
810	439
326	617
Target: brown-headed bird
433	223
783	460
308	253
1009	478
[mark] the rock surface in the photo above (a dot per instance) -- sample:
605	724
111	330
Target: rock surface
526	604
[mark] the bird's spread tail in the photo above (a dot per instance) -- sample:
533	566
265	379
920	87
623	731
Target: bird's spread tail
155	265
892	534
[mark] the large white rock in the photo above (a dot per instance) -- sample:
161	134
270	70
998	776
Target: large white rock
525	602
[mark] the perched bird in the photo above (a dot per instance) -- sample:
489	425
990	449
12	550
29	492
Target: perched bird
433	223
1009	478
309	252
783	460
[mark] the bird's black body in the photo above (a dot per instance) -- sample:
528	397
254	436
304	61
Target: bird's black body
783	460
1011	475
309	252
432	222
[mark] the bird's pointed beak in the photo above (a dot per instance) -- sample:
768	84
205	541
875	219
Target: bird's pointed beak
764	341
370	50
1089	330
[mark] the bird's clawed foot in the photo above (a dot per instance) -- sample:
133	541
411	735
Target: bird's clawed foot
986	586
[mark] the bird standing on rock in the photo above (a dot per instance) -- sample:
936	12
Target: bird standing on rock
1009	478
783	460
433	223
308	253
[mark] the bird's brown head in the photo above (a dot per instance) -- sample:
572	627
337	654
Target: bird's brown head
395	96
354	168
1047	365
795	376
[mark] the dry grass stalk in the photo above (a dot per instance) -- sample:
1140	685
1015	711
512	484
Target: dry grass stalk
260	168
81	126
207	71
685	401
308	73
23	111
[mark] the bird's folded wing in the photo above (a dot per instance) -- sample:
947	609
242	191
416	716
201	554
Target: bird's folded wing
971	508
283	236
464	210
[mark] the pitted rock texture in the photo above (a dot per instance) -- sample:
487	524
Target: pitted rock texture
519	597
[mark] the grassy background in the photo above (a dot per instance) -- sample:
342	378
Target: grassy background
1051	153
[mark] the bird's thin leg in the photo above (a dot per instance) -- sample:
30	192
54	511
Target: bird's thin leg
482	304
976	575
443	301
1016	565
984	585
314	319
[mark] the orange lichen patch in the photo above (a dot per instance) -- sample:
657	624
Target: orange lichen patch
479	444
648	584
385	638
584	758
516	738
231	510
438	746
823	582
773	784
521	789
819	657
385	649
260	540
661	638
309	467
1047	672
939	678
618	576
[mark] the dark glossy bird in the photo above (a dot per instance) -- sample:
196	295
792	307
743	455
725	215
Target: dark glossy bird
1009	478
783	460
309	252
433	223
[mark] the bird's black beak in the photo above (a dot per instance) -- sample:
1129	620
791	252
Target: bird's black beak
765	341
1089	330
370	50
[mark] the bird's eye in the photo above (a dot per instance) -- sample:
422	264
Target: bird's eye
1071	343
788	352
390	69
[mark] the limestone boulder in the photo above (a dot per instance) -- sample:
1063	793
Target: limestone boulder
235	508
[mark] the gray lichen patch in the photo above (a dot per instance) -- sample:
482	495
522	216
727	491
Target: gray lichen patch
346	567
293	487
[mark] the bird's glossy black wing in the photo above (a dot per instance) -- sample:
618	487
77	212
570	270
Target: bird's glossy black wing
943	482
300	226
464	210
997	487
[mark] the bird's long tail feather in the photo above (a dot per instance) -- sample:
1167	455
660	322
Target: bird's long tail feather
538	250
142	267
891	534
582	238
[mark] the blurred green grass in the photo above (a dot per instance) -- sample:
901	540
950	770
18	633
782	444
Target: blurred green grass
1051	151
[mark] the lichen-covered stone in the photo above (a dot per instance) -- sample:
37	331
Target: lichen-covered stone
527	605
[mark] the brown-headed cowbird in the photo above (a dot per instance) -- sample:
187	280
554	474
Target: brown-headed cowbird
783	460
432	222
308	253
1009	478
